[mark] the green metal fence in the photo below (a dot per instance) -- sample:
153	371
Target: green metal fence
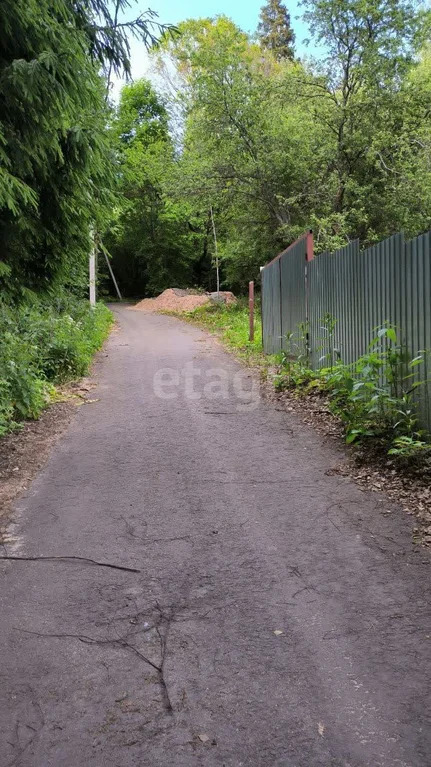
389	282
284	295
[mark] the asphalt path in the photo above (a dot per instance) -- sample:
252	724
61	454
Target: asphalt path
280	615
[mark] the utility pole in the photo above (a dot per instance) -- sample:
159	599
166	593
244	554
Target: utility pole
251	310
216	253
92	263
112	275
92	272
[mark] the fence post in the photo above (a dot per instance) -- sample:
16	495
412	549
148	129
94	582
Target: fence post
251	310
309	255
261	303
310	246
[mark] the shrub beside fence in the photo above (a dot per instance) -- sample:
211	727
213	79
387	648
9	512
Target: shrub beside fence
333	303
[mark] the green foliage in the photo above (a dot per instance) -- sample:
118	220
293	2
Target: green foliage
231	322
242	147
361	84
57	176
141	117
274	30
332	354
373	397
410	449
295	376
155	236
376	399
340	144
56	164
42	345
24	392
52	143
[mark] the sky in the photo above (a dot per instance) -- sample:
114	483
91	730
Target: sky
245	13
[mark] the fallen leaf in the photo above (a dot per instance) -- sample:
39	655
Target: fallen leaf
277	632
321	728
203	737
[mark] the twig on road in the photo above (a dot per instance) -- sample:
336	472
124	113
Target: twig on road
123	642
93	640
72	558
163	643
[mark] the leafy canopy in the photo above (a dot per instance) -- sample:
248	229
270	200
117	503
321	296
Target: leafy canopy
56	168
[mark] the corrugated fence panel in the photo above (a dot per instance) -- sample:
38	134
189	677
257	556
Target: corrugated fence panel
293	304
373	296
388	283
358	292
416	310
283	296
346	299
271	308
320	280
358	324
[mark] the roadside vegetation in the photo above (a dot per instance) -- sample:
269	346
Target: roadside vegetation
44	345
245	141
57	187
374	399
268	139
231	323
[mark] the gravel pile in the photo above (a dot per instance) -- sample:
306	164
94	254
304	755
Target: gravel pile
176	300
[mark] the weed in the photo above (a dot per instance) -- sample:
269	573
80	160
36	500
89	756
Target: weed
231	322
41	346
374	397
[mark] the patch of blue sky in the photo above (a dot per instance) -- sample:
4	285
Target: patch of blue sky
245	13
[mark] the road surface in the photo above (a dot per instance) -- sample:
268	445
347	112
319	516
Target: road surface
279	617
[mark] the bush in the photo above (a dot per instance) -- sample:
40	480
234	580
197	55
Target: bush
374	397
43	345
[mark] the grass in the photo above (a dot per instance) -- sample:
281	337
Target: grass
45	344
369	412
405	472
231	324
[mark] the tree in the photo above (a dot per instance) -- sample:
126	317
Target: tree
401	153
154	237
341	145
55	157
141	116
250	146
370	49
275	31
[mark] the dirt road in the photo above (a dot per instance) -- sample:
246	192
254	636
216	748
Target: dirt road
279	615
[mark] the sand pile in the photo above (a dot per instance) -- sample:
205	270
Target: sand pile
176	300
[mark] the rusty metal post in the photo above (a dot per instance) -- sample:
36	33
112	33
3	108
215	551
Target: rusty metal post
251	309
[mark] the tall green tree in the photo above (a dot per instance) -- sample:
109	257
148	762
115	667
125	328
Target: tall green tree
55	157
154	236
370	48
340	144
401	153
275	31
250	145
